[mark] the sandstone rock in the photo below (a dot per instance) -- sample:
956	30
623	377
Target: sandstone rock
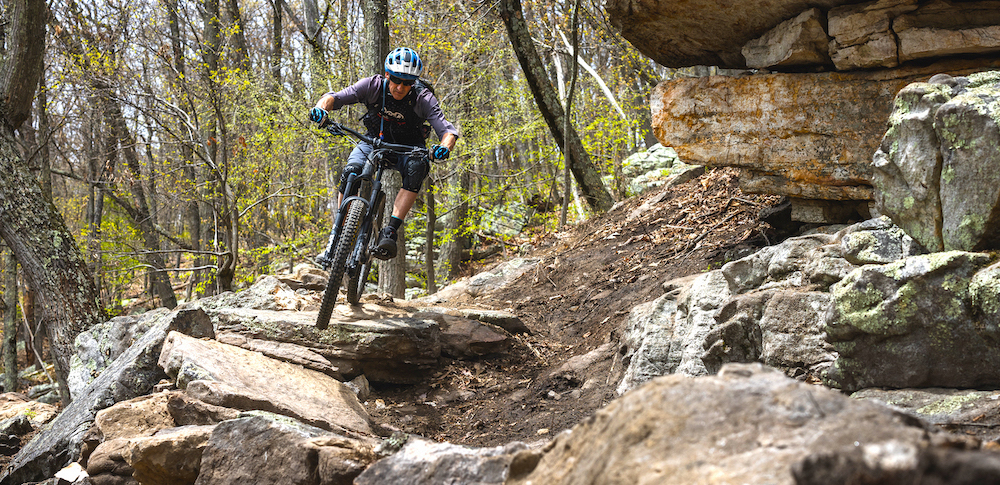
499	275
465	338
862	34
107	465
13	404
910	324
676	429
171	456
505	320
259	450
142	416
943	28
421	461
187	411
807	136
932	170
233	377
800	41
340	459
398	350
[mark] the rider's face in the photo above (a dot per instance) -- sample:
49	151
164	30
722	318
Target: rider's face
398	91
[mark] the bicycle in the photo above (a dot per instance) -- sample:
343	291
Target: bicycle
351	243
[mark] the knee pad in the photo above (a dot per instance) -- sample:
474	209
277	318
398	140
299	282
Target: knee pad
346	173
414	173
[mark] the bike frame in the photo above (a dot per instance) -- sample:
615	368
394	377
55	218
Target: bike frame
375	164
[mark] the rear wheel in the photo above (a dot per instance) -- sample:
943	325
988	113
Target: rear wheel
348	235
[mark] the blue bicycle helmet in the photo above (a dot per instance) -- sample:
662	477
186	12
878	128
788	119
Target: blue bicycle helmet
404	63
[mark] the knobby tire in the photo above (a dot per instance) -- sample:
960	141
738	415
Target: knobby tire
356	285
348	235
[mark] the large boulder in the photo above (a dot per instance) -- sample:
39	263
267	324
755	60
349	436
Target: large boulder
922	321
779	34
232	377
806	136
749	424
933	172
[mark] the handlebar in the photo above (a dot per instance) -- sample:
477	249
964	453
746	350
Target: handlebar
339	129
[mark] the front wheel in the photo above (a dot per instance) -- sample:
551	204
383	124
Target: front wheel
344	246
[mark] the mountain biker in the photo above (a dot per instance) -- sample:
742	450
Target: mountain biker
399	104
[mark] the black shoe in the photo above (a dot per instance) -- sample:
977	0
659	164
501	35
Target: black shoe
322	261
386	248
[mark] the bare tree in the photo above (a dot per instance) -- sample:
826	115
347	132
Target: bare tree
29	223
576	156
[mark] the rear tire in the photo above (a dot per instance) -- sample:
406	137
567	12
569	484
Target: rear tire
348	235
356	285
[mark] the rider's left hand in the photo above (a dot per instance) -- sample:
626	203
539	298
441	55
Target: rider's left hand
440	152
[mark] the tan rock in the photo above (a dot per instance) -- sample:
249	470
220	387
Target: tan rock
142	416
229	376
702	32
171	456
800	41
809	136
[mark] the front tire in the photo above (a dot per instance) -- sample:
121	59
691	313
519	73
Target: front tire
348	236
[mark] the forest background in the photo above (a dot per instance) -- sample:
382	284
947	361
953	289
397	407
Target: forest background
173	138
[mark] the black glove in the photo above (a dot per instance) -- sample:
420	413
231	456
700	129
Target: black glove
439	152
318	116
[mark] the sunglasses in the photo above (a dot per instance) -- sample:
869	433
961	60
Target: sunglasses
404	82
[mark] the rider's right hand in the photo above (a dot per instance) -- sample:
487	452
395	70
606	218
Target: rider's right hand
318	116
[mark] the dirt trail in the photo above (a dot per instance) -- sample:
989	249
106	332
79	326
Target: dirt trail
576	301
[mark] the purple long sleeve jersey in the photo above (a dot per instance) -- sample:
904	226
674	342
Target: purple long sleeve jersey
368	90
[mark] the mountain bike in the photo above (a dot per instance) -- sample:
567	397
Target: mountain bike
348	254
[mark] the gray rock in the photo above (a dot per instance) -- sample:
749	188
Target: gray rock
932	171
749	424
421	462
132	374
386	348
258	450
909	324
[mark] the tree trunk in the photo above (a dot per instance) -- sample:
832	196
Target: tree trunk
9	310
241	58
192	212
586	175
377	48
453	251
392	273
276	44
139	212
31	226
429	237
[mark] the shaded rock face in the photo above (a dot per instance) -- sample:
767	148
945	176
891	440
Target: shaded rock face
794	33
923	321
934	171
674	34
